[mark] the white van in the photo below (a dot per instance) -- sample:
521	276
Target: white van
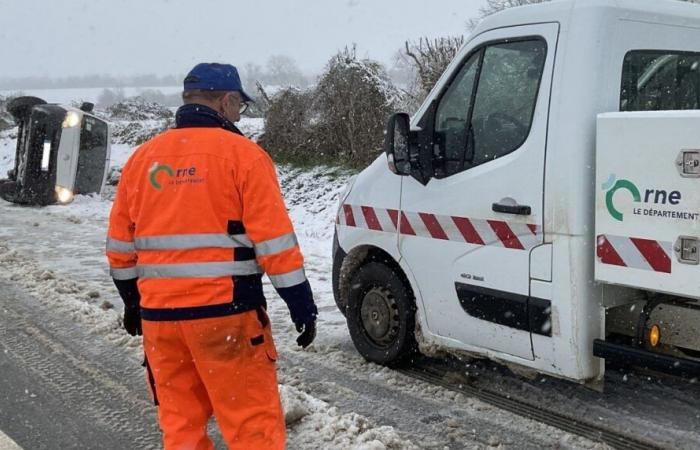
485	228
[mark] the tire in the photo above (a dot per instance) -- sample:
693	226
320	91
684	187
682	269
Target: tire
381	315
21	107
9	191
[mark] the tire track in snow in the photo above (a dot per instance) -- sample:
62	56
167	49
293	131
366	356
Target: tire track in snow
426	414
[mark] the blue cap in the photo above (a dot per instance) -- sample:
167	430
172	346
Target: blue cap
215	77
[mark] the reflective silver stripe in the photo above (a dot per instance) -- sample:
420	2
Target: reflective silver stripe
288	279
199	270
191	241
242	240
115	245
128	273
276	245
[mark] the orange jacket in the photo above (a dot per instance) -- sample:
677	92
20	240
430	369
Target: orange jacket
198	217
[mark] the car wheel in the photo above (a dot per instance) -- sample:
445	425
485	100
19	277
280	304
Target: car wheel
381	315
21	107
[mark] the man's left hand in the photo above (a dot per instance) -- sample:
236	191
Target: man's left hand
308	333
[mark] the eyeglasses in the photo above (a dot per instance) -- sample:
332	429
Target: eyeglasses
242	104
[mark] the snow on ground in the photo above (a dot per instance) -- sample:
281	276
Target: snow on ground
8	142
56	253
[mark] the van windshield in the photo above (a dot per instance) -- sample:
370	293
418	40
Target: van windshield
660	80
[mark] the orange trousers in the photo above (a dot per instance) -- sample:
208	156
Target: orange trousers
222	365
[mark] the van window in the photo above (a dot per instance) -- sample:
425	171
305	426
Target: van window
660	80
474	127
452	116
506	98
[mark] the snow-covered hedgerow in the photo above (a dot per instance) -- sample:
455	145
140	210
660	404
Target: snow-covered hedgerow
135	120
354	97
340	120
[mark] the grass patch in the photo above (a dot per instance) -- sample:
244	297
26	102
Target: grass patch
333	169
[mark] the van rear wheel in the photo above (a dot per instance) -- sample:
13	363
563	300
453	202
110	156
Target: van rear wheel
21	107
381	315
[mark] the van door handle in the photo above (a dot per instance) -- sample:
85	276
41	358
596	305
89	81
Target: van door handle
521	210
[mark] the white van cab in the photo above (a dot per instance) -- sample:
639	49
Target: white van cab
486	228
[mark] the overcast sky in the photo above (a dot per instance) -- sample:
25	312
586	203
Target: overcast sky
128	37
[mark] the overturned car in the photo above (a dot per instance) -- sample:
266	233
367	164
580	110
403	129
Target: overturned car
61	152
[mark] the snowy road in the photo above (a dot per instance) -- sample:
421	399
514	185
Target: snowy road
58	392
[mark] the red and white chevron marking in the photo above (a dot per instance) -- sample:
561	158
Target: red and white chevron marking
512	235
637	253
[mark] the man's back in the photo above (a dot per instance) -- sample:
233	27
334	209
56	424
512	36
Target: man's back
187	192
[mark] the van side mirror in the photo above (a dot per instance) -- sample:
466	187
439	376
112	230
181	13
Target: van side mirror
397	144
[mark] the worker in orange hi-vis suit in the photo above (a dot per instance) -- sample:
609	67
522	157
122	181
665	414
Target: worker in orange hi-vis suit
197	219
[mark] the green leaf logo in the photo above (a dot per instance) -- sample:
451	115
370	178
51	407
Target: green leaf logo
153	173
619	184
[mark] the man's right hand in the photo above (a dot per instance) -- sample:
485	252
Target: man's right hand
308	333
132	321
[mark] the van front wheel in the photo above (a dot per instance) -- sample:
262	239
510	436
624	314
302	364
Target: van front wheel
381	315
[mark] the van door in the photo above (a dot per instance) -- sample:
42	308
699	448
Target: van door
467	235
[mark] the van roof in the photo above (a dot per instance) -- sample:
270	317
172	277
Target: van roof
672	12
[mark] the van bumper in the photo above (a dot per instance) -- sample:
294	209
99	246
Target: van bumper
628	355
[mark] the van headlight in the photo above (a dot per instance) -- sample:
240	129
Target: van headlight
64	195
71	120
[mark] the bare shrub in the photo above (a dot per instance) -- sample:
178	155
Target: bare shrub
133	120
136	108
354	97
341	120
431	57
136	133
289	124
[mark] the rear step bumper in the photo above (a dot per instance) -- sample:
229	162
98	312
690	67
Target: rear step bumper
624	354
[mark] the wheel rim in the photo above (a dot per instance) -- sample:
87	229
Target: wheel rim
379	316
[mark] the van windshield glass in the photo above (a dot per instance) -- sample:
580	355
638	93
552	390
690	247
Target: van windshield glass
660	80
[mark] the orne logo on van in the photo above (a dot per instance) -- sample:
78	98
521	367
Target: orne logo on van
613	185
651	197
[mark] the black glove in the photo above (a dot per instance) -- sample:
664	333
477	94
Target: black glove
132	321
300	301
308	333
129	292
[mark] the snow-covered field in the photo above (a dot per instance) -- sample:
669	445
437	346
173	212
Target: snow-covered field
70	95
56	253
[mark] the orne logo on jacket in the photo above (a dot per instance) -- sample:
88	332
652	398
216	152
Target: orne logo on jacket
179	176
